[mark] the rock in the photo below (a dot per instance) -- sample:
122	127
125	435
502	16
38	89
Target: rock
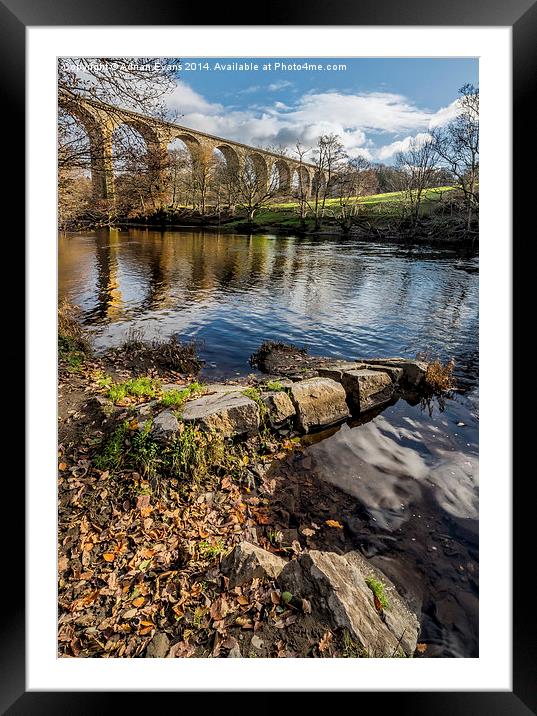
280	407
284	382
223	388
165	426
234	652
413	370
335	370
367	389
319	402
336	587
168	387
257	643
395	373
103	407
248	561
146	409
280	358
229	414
158	647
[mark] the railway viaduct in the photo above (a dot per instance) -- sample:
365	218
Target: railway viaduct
100	120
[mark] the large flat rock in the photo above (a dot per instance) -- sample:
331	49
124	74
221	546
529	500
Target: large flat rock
319	403
414	371
336	587
229	414
335	370
367	389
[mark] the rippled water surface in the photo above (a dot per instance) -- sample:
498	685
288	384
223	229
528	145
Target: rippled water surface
413	476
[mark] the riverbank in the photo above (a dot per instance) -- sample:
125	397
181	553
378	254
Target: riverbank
380	217
177	536
384	230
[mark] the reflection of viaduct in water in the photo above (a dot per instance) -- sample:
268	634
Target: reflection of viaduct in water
100	120
109	297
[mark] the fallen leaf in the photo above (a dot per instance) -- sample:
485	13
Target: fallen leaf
62	466
242	599
244	622
130	613
324	643
138	602
306	606
181	650
334	523
143	501
378	605
109	556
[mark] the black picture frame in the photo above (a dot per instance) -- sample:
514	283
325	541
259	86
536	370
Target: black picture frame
521	15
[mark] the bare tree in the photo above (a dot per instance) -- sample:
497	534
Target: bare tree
225	187
350	182
457	144
255	188
328	156
301	193
417	167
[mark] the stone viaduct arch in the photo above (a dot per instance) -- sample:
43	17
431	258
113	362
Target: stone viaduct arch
100	120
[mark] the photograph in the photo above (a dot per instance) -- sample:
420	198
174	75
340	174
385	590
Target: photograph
268	357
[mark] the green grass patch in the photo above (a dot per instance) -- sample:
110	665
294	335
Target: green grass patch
275	386
210	550
377	588
352	649
112	450
190	457
136	387
175	398
71	353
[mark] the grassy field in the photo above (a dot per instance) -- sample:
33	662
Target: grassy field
376	205
429	195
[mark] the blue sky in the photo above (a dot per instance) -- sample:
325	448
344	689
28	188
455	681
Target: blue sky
375	105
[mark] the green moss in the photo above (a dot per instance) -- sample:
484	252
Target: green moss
378	590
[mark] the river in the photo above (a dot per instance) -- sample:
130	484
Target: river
410	475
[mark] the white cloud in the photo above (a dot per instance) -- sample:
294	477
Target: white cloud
445	114
352	117
249	90
281	84
378	111
401	145
185	100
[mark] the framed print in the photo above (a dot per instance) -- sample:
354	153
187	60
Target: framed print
282	293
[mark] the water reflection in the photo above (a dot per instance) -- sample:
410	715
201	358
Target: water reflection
409	480
415	481
233	291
